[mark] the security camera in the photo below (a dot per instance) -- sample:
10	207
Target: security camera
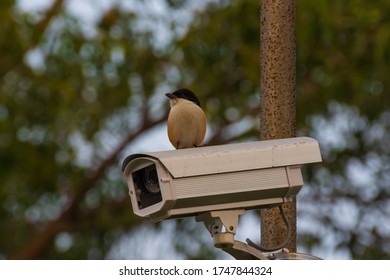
189	182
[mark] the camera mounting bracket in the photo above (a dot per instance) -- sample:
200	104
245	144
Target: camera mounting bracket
222	226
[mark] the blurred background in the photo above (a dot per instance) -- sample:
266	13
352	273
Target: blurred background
82	85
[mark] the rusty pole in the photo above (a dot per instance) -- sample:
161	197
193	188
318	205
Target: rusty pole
277	97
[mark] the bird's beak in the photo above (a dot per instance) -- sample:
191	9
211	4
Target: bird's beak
170	95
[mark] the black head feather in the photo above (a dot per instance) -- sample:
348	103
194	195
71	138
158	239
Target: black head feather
185	94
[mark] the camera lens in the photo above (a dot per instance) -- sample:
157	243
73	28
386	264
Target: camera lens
147	186
150	180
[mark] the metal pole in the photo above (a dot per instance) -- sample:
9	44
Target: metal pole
277	97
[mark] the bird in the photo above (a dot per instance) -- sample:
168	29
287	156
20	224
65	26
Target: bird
186	123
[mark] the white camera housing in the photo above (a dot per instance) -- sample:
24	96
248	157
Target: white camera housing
188	182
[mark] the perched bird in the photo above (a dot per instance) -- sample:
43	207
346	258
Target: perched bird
186	120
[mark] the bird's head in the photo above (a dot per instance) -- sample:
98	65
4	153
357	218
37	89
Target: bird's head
183	93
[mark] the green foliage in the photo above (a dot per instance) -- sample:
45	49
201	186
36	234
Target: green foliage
218	69
72	102
341	55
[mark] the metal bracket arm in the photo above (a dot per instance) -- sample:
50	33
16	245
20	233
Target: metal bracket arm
221	225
